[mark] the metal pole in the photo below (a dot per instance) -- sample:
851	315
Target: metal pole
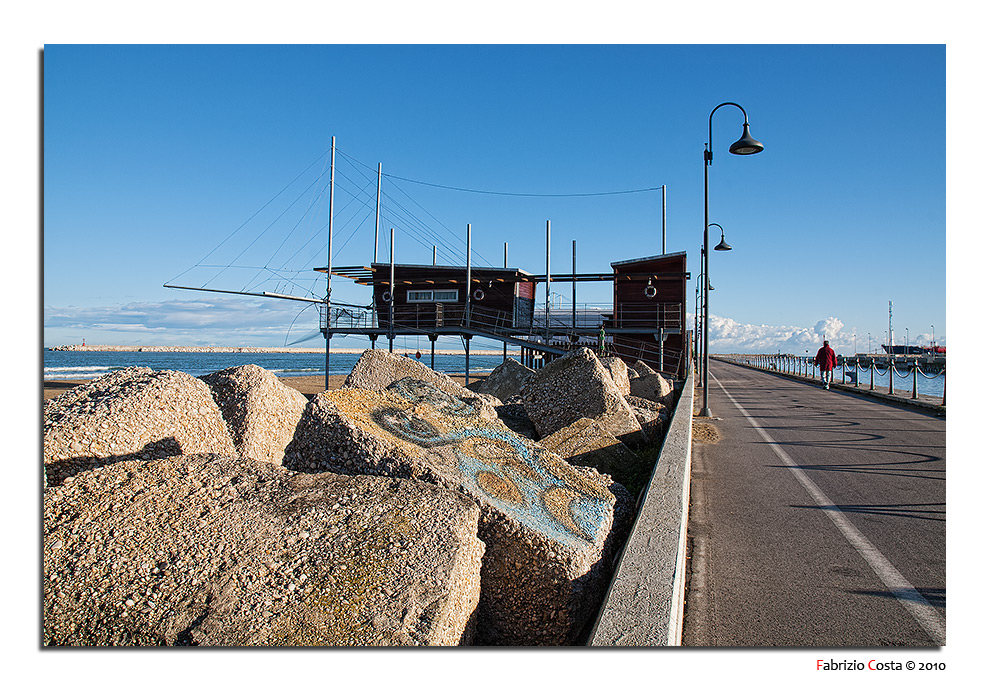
391	288
434	255
663	219
326	364
705	410
378	210
505	264
547	306
574	285
467	290
467	359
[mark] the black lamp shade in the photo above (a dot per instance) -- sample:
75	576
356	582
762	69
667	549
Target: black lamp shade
746	145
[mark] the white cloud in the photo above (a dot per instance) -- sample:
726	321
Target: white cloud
220	321
727	335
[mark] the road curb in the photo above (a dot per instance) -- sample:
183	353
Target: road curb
644	605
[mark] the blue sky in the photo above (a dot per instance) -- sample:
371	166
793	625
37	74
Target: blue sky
154	155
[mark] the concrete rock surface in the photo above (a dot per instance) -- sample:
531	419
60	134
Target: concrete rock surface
218	550
586	443
649	384
506	380
619	371
133	413
261	412
550	529
574	386
376	370
652	416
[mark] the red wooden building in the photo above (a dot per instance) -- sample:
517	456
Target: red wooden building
647	319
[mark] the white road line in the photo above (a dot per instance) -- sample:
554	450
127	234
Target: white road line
920	608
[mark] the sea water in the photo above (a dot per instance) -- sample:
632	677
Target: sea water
75	364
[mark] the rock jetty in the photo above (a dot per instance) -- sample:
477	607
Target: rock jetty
131	413
214	550
398	510
587	443
574	386
648	383
261	412
547	526
506	381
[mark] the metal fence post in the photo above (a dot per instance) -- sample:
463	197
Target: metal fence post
914	388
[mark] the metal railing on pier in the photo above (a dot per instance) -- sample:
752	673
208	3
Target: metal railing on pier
848	367
558	329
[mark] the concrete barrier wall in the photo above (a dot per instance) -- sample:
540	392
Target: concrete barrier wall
645	602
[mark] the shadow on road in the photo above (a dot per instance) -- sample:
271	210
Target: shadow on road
918	511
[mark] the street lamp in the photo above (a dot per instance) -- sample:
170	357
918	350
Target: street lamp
745	146
722	246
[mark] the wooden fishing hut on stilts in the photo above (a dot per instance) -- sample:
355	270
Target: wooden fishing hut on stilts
646	320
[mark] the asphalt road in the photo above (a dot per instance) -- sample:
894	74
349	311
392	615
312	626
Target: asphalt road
823	527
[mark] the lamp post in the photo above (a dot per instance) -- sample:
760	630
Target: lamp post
722	246
745	146
697	296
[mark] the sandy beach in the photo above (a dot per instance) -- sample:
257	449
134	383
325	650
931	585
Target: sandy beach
307	385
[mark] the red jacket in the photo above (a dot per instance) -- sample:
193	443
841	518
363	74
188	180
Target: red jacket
825	358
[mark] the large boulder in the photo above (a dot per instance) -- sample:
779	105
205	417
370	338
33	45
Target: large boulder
376	370
650	384
550	529
133	413
652	416
586	443
575	386
261	411
619	371
506	380
226	551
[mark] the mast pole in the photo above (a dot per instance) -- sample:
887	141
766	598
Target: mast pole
547	305
378	210
391	288
326	370
467	290
574	286
467	312
663	219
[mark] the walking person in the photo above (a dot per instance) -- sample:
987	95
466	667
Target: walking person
825	359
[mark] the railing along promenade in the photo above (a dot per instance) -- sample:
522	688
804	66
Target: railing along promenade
804	367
